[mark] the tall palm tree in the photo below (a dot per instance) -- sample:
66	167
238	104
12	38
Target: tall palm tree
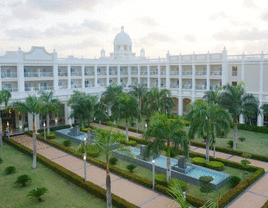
33	106
205	120
104	141
138	90
237	102
99	112
125	106
211	96
108	97
4	98
165	131
49	105
264	107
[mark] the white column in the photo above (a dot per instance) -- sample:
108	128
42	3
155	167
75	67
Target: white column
180	105
224	67
241	119
55	71
243	67
148	76
108	75
96	75
1	77
180	74
118	75
193	76
67	112
20	71
30	122
139	76
159	76
260	116
83	75
129	82
167	75
69	76
208	73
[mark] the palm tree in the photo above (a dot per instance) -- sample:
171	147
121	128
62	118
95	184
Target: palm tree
264	107
158	100
104	141
108	97
49	105
205	120
138	90
33	106
37	193
237	102
82	106
99	112
125	106
211	96
4	98
165	131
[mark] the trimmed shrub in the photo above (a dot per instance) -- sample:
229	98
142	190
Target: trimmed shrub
1	160
234	181
113	160
182	183
10	169
23	180
199	161
131	143
37	193
230	143
161	179
215	165
67	143
241	139
131	167
51	136
265	205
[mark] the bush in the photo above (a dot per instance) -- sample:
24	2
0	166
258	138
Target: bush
182	183
51	136
230	143
215	165
234	181
241	139
1	160
131	143
113	160
131	167
221	133
199	161
93	151
37	193
23	180
10	170
161	179
67	143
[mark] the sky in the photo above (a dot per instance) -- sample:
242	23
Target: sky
83	27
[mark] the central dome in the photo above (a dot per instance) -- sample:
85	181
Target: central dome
122	38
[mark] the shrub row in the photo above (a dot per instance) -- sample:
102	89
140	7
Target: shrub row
259	129
216	165
265	205
74	178
55	128
233	152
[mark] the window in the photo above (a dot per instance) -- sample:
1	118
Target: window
234	71
234	84
125	48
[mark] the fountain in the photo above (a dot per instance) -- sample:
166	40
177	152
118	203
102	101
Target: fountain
182	166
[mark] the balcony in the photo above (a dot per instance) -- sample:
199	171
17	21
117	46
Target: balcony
187	86
216	73
101	73
163	85
200	73
9	75
154	84
113	73
123	73
11	89
38	74
74	74
134	73
174	86
89	85
61	87
153	73
214	87
145	84
200	87
143	72
73	86
62	74
39	88
234	73
174	73
187	73
102	84
163	72
89	73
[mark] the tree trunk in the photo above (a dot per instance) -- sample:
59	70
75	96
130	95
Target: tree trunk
137	125
207	149
108	184
109	111
1	139
48	125
127	131
235	136
88	135
168	169
214	150
34	143
100	123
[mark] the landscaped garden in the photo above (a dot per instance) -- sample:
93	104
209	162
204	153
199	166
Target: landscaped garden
61	192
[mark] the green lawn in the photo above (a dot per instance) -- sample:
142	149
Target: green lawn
61	193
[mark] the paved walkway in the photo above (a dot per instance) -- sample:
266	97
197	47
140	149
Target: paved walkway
130	191
253	197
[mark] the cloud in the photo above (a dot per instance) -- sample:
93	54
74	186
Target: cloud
147	21
218	16
91	42
249	4
253	34
21	33
264	16
63	29
190	37
157	37
96	25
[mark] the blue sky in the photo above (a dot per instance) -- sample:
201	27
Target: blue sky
84	27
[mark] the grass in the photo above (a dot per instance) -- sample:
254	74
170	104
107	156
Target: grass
61	193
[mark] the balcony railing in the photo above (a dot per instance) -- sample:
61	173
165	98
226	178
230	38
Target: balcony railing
200	73
39	88
123	73
187	73
101	73
145	84
61	87
76	86
89	73
163	85
174	73
89	85
186	86
11	89
9	75
154	73
234	73
174	86
216	73
143	72
163	72
213	87
62	74
38	74
154	84
200	87
113	73
134	73
102	84
73	74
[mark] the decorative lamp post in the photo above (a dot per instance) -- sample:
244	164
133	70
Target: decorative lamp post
85	160
153	164
145	125
7	130
184	194
44	130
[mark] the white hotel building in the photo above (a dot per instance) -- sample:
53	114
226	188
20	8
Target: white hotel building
187	76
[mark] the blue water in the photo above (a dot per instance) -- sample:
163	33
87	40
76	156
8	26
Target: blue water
80	137
195	173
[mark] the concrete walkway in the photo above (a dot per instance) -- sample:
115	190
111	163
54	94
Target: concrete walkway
130	191
253	197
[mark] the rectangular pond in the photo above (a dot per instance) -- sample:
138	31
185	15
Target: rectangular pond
64	133
191	176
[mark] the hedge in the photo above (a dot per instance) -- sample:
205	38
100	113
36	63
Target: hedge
265	205
216	165
259	129
74	178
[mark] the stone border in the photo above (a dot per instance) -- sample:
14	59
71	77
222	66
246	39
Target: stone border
58	133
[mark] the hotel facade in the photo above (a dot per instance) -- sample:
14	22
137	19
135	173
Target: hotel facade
186	76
